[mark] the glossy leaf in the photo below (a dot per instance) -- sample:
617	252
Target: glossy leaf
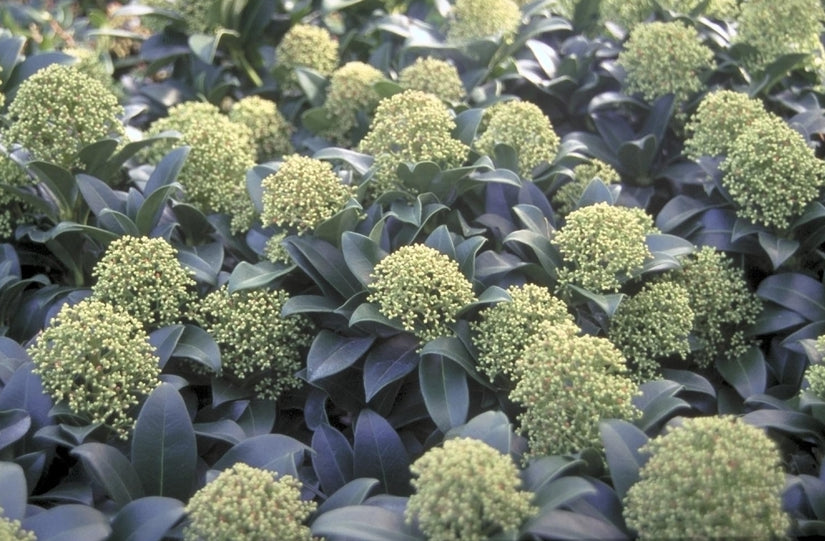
147	519
445	391
197	345
747	373
331	353
353	493
389	361
68	523
379	453
332	460
491	427
274	452
14	494
796	292
622	442
365	523
110	469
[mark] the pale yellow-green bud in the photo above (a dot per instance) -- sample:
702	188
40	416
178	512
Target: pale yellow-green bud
710	478
197	14
270	130
567	197
466	490
97	359
10	530
568	384
143	277
307	46
434	76
721	117
815	373
422	288
259	348
603	246
629	13
477	19
523	126
351	91
249	504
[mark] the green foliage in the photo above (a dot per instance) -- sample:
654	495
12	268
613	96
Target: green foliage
665	58
97	359
260	348
412	126
143	277
524	127
434	76
422	288
771	173
248	503
652	324
567	197
214	175
505	329
270	130
303	193
568	384
477	19
306	46
453	502
351	92
722	116
603	246
712	478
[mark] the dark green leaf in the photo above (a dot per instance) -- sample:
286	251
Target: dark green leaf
197	345
147	519
491	427
15	491
223	430
274	452
388	362
445	391
380	453
246	275
622	442
331	353
563	525
361	255
365	523
747	373
797	292
14	424
353	493
69	523
333	458
359	162
113	471
778	249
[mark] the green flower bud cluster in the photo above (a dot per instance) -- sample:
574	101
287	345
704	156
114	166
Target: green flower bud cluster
307	46
476	19
303	193
10	530
270	130
603	246
466	490
710	478
350	92
143	277
196	14
422	288
774	29
523	126
434	76
716	9
665	58
98	360
259	347
771	173
274	250
567	197
630	13
89	62
214	175
248	504
506	328
412	126
722	304
568	384
652	324
815	373
58	111
722	116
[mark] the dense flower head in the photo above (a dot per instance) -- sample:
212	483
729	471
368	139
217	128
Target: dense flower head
259	348
771	173
653	324
523	126
567	384
422	288
629	13
307	46
434	76
214	175
662	58
143	277
466	490
626	13
10	530
244	503
719	119
507	327
88	61
97	359
567	197
58	111
722	304
815	373
302	193
196	14
270	130
477	19
411	126
351	91
710	478
775	28
603	246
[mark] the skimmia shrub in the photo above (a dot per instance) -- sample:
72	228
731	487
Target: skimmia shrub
422	288
97	359
721	117
142	276
248	503
452	501
568	384
710	478
260	348
434	76
306	46
270	130
351	92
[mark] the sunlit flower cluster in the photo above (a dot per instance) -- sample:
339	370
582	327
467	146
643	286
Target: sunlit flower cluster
97	359
270	130
567	197
351	93
567	384
196	14
477	19
421	288
466	490
434	76
710	478
306	46
721	117
249	504
259	348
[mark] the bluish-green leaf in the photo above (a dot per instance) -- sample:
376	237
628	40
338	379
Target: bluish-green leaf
380	453
147	519
353	493
365	523
778	249
747	373
491	427
445	391
797	292
14	491
110	469
390	361
274	452
14	424
332	460
69	523
331	353
246	275
197	345
361	255
622	442
563	525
